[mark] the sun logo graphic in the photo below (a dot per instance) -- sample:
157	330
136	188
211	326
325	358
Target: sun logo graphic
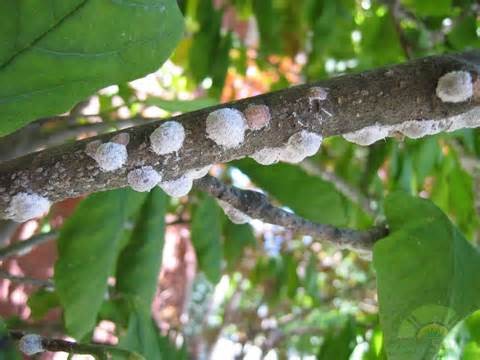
428	325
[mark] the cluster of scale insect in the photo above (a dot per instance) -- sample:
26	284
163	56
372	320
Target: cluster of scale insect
452	87
227	126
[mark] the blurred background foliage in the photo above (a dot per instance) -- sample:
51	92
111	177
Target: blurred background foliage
227	291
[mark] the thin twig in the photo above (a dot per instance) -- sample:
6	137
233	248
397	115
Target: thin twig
99	351
26	280
21	248
257	206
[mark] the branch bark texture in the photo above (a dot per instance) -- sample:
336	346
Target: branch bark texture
98	351
386	96
257	206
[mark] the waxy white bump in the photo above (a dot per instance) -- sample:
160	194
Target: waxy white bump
167	138
301	145
417	129
267	156
110	156
25	206
143	179
257	116
178	187
317	93
368	135
199	173
31	344
226	127
236	216
455	87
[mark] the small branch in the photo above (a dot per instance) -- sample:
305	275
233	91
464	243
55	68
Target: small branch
21	248
341	185
101	352
257	206
26	280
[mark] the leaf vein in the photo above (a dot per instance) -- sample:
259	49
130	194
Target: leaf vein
42	35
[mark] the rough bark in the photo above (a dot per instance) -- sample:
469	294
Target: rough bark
98	351
385	96
257	206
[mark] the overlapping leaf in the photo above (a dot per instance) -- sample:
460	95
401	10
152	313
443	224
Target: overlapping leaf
87	249
139	262
56	53
237	238
7	346
144	338
307	195
427	278
206	238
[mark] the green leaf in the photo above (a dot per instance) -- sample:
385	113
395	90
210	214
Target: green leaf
311	277
339	344
473	325
180	105
87	248
117	310
464	34
290	277
54	54
143	337
453	193
471	351
139	262
426	278
331	42
377	153
426	153
142	334
41	302
379	28
375	347
429	8
401	170
220	65
8	350
206	238
205	41
268	26
308	196
237	238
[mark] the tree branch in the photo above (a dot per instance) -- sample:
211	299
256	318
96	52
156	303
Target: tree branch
99	351
384	96
257	206
21	248
26	280
24	247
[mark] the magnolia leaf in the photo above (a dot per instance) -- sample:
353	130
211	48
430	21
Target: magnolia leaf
55	53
